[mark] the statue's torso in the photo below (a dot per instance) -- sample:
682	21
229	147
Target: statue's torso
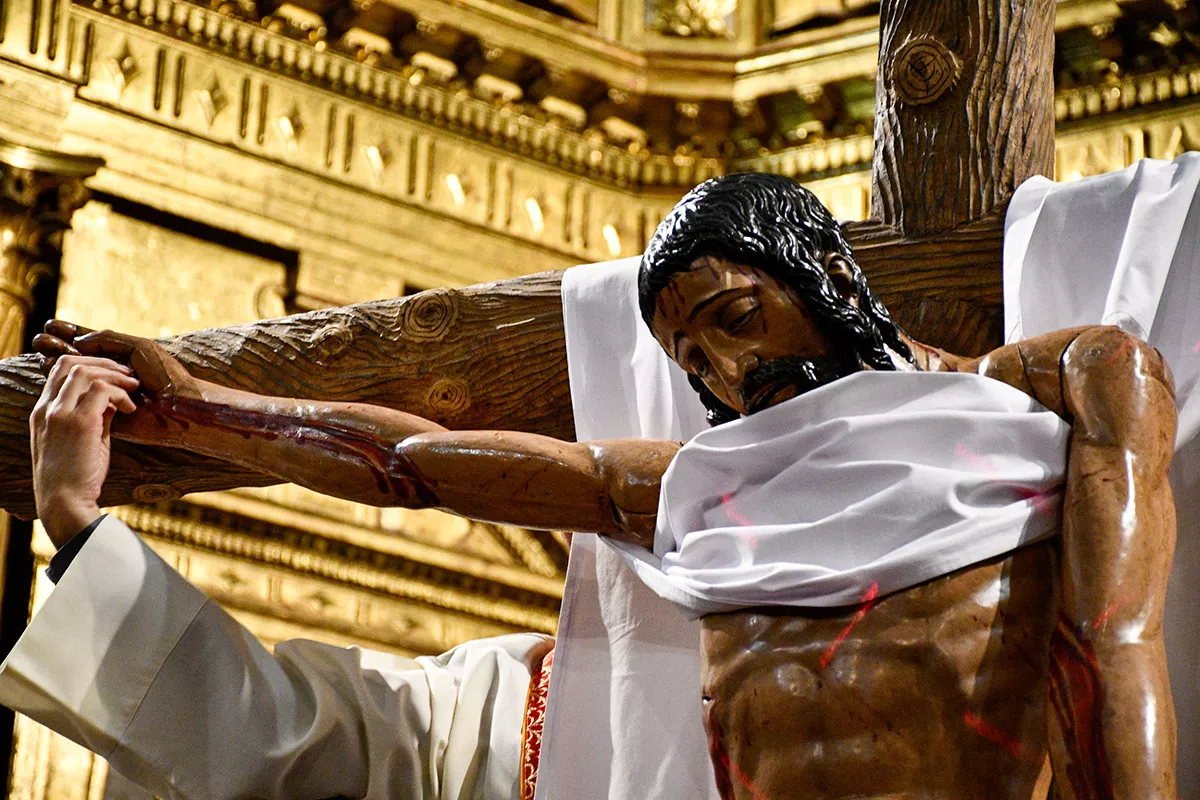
938	691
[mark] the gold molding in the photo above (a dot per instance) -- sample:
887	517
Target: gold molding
353	574
1124	94
41	160
277	60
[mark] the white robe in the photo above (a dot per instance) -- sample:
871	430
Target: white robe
134	663
1120	249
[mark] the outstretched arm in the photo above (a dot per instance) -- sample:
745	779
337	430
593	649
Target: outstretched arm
1112	725
384	457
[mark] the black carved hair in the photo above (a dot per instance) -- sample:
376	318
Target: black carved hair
774	224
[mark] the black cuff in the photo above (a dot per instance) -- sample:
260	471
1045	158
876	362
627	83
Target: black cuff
66	554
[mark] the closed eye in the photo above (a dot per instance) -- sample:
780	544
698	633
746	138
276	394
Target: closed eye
743	319
740	313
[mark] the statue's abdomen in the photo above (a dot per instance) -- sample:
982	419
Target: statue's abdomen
936	691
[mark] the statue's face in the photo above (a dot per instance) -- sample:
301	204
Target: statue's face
748	337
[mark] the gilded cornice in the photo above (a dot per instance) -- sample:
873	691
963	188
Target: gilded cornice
573	98
452	109
350	572
1128	93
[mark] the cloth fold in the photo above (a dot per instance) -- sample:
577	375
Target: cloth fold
873	483
130	660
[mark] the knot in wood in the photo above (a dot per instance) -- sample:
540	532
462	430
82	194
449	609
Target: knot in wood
330	341
155	493
429	315
923	70
448	397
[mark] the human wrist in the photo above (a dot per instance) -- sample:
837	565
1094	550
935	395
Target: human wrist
64	517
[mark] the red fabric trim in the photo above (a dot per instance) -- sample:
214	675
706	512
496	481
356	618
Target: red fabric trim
535	719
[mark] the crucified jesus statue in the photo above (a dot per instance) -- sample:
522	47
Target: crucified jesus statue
1027	624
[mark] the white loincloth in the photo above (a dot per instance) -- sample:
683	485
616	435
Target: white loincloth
623	718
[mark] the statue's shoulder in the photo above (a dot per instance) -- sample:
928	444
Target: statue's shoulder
1045	366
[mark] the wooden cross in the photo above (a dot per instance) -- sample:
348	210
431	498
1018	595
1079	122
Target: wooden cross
964	114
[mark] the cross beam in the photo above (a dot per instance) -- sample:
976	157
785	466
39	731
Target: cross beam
964	114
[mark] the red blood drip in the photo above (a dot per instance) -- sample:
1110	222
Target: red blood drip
726	771
1075	696
868	600
394	473
993	734
1122	350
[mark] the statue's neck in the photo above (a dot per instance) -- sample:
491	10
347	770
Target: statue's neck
931	359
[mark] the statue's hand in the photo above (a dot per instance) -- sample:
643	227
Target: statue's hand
160	373
57	341
161	376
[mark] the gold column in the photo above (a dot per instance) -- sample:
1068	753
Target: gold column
39	191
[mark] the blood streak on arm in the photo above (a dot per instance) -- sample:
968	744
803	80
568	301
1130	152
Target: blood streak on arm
1075	699
395	476
993	734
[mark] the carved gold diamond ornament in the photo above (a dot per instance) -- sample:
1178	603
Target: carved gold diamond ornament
212	99
291	128
123	68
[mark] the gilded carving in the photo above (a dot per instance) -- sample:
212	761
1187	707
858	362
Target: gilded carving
122	68
39	191
272	565
122	271
712	19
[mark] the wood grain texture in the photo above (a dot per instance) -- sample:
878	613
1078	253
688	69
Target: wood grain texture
952	148
488	356
944	289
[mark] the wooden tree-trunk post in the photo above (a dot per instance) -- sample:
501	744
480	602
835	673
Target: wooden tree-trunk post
964	114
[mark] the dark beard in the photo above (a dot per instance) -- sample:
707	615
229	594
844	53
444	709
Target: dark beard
802	374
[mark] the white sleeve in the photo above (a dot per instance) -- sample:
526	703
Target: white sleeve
131	661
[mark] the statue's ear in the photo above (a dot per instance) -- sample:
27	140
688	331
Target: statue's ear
840	270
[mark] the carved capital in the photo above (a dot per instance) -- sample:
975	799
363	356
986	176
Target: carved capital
39	191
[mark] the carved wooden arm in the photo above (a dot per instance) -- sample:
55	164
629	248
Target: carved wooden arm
489	356
1112	725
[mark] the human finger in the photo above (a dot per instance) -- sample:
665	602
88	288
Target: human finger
100	397
80	377
64	365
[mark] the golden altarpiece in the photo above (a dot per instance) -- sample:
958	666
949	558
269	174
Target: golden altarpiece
245	159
